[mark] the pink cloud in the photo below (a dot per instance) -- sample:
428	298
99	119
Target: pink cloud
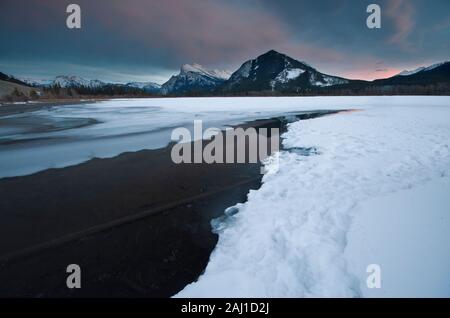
366	68
371	75
401	12
204	31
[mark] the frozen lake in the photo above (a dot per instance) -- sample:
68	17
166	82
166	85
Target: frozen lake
62	136
375	190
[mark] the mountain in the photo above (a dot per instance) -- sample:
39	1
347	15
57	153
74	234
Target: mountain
435	74
64	81
76	81
36	82
75	85
194	79
148	87
11	79
420	69
274	71
15	91
85	86
406	72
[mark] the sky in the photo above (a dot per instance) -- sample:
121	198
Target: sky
148	40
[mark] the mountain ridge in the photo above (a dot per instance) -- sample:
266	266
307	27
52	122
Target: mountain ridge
421	68
274	71
271	73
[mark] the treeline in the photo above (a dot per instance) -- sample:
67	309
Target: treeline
110	90
58	92
118	90
341	90
113	90
429	89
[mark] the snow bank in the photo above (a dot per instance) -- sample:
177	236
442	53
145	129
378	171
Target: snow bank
290	238
407	234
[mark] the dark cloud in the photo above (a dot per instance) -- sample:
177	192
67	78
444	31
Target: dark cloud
151	38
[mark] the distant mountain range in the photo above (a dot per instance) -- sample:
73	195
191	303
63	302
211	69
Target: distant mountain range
65	81
420	69
148	87
272	73
434	74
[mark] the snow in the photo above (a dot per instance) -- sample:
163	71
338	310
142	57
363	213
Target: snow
352	189
415	260
137	84
144	85
136	124
197	68
71	80
36	81
124	125
243	71
64	81
432	67
288	74
406	72
294	73
194	75
420	69
374	190
223	74
327	80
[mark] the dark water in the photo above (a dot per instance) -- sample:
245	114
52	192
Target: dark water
137	224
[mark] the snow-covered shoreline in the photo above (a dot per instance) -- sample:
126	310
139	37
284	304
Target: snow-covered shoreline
135	124
296	235
407	234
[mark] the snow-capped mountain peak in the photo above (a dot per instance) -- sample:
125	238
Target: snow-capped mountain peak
146	86
420	69
407	72
64	81
143	84
74	81
273	70
197	68
36	81
194	78
70	80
